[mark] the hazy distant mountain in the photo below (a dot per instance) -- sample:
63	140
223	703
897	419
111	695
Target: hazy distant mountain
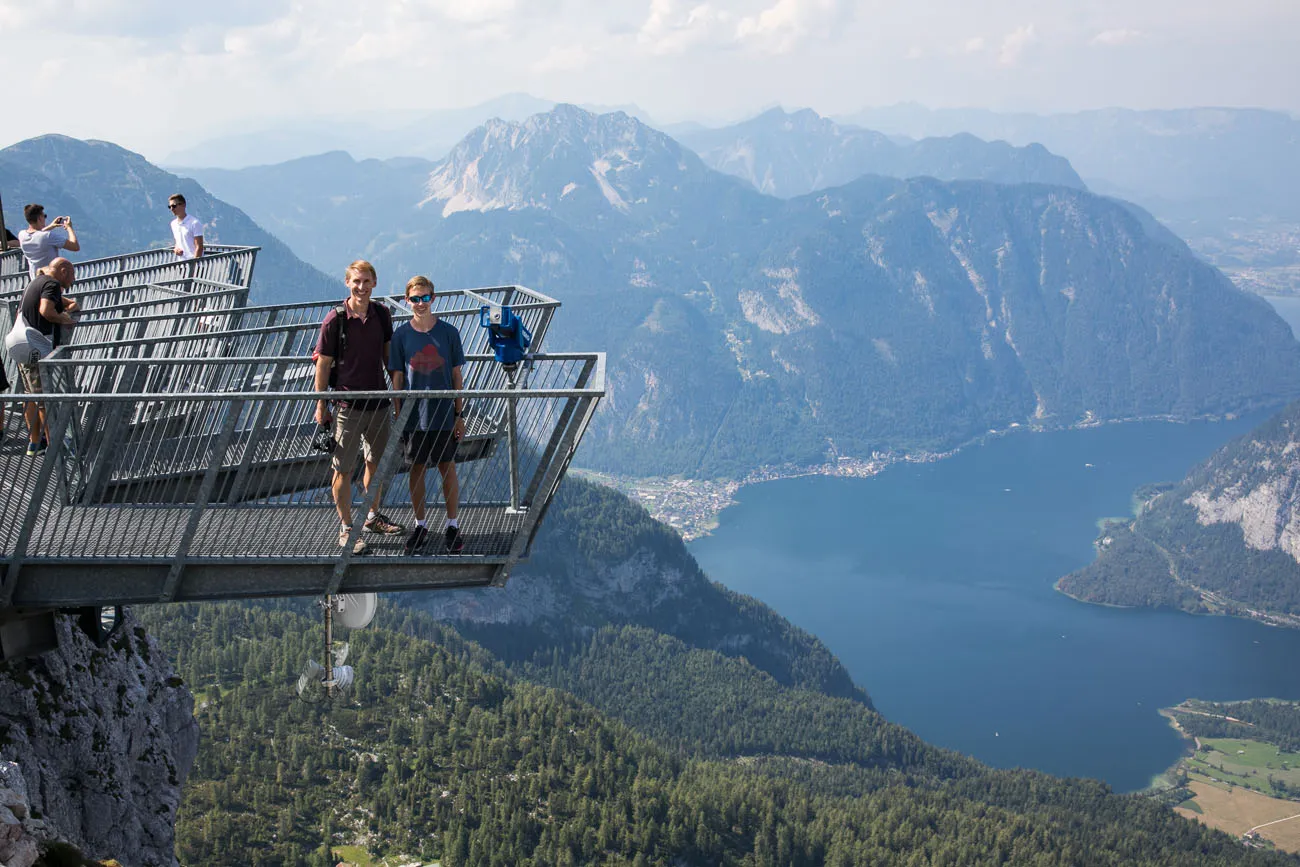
429	136
1225	540
326	207
883	314
790	154
118	202
1207	163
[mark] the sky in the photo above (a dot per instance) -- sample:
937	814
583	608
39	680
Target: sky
156	76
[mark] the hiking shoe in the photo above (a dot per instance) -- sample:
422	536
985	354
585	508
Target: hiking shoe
454	539
359	547
417	540
34	449
381	523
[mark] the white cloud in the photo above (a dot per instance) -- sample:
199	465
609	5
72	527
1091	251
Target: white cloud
270	63
783	26
138	20
1120	36
672	28
564	58
459	11
1014	44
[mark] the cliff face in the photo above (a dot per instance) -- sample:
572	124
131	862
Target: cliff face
95	744
1224	540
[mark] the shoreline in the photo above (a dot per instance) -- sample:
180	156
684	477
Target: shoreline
691	507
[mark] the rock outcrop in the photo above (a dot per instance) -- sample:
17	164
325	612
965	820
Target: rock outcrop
95	744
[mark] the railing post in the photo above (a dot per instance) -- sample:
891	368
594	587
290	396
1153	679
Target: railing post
201	500
57	420
383	475
512	441
548	454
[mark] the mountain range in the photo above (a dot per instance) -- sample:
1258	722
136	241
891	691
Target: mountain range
1192	163
118	203
880	315
427	135
1225	539
744	330
787	154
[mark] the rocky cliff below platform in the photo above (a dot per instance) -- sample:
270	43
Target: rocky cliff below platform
95	744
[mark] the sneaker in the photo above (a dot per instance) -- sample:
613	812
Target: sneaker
417	540
381	523
34	449
454	540
359	547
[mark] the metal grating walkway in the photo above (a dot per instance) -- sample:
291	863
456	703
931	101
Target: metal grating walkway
180	464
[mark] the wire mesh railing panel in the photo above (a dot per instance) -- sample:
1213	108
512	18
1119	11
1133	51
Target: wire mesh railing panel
182	433
232	265
12	262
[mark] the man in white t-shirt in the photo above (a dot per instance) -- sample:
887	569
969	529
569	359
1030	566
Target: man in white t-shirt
187	232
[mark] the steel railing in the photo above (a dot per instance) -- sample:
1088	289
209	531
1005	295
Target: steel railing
182	430
293	329
111	315
221	264
230	478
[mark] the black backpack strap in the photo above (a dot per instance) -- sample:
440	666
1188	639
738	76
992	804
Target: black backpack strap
340	333
340	341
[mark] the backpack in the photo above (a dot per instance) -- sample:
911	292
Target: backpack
340	335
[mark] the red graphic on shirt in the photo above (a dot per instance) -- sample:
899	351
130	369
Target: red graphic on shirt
427	360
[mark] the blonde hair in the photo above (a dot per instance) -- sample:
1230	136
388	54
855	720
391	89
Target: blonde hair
361	265
419	280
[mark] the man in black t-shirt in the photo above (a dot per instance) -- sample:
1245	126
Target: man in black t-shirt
44	307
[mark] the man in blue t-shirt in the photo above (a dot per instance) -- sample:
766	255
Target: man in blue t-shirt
426	354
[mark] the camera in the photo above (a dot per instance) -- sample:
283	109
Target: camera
323	440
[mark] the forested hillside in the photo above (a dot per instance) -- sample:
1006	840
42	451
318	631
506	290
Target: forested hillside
1261	719
438	753
1225	539
600	560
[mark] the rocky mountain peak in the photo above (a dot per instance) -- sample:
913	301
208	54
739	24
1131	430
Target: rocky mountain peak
565	158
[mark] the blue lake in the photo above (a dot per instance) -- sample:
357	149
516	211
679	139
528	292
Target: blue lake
933	583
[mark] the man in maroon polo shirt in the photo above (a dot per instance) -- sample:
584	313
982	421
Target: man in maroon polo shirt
357	423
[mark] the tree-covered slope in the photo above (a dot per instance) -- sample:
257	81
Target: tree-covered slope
601	560
1225	540
440	754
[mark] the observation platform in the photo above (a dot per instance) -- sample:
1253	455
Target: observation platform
180	464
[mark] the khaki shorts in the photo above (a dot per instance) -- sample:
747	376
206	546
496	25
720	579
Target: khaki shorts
367	428
31	375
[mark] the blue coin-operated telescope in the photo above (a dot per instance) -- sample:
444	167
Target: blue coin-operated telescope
508	336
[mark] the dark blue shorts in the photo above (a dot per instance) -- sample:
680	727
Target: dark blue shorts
424	447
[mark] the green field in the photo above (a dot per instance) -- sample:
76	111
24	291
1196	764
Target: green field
361	858
1250	764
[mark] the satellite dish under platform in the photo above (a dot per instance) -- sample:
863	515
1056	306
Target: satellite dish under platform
354	610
